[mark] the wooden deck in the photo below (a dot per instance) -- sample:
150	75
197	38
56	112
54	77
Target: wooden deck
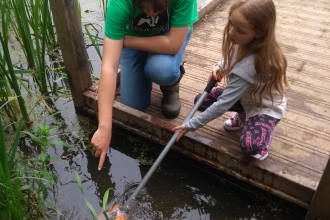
301	145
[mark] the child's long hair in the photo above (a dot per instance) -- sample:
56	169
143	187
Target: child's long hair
269	61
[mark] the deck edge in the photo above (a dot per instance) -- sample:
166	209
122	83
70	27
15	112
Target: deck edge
207	7
232	163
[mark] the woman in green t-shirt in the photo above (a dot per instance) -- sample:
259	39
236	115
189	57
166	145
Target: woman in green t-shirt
148	38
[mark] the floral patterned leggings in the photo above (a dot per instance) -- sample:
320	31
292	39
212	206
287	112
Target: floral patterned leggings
258	131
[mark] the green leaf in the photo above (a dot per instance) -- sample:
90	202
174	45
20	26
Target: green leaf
105	215
43	189
79	182
15	144
50	128
91	209
3	154
43	157
105	199
49	177
26	187
33	137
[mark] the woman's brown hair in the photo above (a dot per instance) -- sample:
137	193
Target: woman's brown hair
157	5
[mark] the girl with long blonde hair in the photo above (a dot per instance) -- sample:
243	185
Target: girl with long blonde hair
254	69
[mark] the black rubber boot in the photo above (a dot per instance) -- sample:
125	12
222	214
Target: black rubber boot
171	103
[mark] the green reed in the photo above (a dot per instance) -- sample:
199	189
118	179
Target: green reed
12	201
6	95
7	71
25	182
33	27
104	5
89	205
92	34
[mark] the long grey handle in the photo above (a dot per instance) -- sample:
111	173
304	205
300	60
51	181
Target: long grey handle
153	168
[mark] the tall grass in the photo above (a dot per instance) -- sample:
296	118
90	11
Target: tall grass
11	198
6	66
33	27
6	95
25	182
92	35
104	5
31	23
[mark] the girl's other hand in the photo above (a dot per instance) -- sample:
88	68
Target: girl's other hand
217	75
182	132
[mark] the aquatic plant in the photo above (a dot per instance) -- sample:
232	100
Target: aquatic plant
89	205
7	72
104	5
92	34
32	24
25	182
12	201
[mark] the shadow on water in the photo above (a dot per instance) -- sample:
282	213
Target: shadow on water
181	188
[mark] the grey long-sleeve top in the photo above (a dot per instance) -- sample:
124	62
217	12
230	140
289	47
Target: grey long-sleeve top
236	88
239	87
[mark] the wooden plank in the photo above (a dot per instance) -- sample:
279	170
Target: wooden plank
72	44
319	208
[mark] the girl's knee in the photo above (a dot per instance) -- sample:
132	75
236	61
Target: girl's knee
209	99
249	149
254	149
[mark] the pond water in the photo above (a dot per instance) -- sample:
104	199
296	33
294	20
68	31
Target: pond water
181	188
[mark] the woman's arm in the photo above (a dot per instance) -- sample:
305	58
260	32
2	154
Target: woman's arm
165	44
106	92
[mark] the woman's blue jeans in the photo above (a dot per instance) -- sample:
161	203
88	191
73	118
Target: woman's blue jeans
139	69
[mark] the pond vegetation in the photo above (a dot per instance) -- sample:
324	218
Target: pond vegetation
32	77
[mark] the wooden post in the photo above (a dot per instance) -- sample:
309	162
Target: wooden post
72	44
319	207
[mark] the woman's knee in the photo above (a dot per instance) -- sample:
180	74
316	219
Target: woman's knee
162	69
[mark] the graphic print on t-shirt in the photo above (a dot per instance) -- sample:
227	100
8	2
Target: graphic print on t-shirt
158	24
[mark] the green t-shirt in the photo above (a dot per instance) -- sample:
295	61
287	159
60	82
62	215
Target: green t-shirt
125	19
